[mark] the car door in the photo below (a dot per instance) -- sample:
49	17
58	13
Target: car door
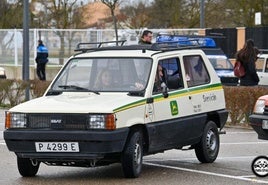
198	79
169	128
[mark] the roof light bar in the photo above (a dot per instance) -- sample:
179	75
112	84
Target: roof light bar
186	40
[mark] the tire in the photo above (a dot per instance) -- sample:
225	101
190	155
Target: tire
26	167
132	155
208	148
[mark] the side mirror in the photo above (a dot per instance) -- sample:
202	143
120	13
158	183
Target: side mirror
164	89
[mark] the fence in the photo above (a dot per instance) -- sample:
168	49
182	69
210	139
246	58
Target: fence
61	43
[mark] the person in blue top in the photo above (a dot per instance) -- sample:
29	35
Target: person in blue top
41	60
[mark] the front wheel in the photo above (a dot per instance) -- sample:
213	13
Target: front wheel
27	167
208	148
132	155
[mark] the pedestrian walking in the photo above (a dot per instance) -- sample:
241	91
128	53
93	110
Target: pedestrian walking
248	56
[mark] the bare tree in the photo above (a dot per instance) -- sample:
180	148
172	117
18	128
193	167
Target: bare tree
112	4
242	12
60	14
136	16
11	14
10	17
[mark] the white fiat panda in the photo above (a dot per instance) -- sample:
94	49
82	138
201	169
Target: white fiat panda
118	104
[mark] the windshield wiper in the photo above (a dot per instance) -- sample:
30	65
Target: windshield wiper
136	93
72	87
77	88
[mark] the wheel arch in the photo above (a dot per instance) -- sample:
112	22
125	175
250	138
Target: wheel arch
218	117
143	130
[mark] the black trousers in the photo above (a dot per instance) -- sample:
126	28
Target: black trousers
41	71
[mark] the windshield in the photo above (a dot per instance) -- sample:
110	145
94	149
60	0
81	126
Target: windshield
104	74
220	62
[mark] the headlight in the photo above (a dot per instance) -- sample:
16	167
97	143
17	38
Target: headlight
259	106
15	120
105	121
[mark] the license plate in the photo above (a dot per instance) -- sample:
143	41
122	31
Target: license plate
264	124
57	147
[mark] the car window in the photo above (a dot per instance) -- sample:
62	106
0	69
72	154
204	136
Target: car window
196	72
172	73
220	62
104	74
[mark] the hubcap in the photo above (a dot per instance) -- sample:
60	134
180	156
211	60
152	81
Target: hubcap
137	154
211	141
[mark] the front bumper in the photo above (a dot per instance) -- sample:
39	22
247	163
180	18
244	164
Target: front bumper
92	144
256	123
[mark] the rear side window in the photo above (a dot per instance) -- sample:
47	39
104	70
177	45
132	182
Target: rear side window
195	69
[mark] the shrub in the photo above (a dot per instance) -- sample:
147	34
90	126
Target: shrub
38	87
12	92
240	102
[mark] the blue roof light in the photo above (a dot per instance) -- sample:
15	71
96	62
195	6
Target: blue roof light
186	40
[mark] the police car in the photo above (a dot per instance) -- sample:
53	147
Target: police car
103	108
220	62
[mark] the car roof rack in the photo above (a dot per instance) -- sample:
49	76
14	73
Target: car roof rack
161	47
87	46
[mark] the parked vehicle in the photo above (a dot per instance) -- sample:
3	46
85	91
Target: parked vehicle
2	73
103	108
262	69
222	65
259	119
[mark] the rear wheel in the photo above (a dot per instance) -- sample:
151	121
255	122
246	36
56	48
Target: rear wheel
208	148
132	155
26	167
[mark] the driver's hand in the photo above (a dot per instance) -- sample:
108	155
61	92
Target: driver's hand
139	85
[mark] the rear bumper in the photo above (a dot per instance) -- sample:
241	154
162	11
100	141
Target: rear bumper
229	81
223	114
256	123
92	144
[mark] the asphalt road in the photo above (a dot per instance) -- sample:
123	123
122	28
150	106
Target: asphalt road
233	166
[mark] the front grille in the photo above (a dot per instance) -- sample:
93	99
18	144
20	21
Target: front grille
58	121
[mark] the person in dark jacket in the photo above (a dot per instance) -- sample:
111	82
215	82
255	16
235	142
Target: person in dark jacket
146	37
248	56
41	60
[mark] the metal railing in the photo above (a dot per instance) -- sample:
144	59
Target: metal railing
62	43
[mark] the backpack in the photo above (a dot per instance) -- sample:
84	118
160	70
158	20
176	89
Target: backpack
239	70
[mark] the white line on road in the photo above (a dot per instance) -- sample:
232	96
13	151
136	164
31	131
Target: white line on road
207	173
245	143
248	132
152	158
